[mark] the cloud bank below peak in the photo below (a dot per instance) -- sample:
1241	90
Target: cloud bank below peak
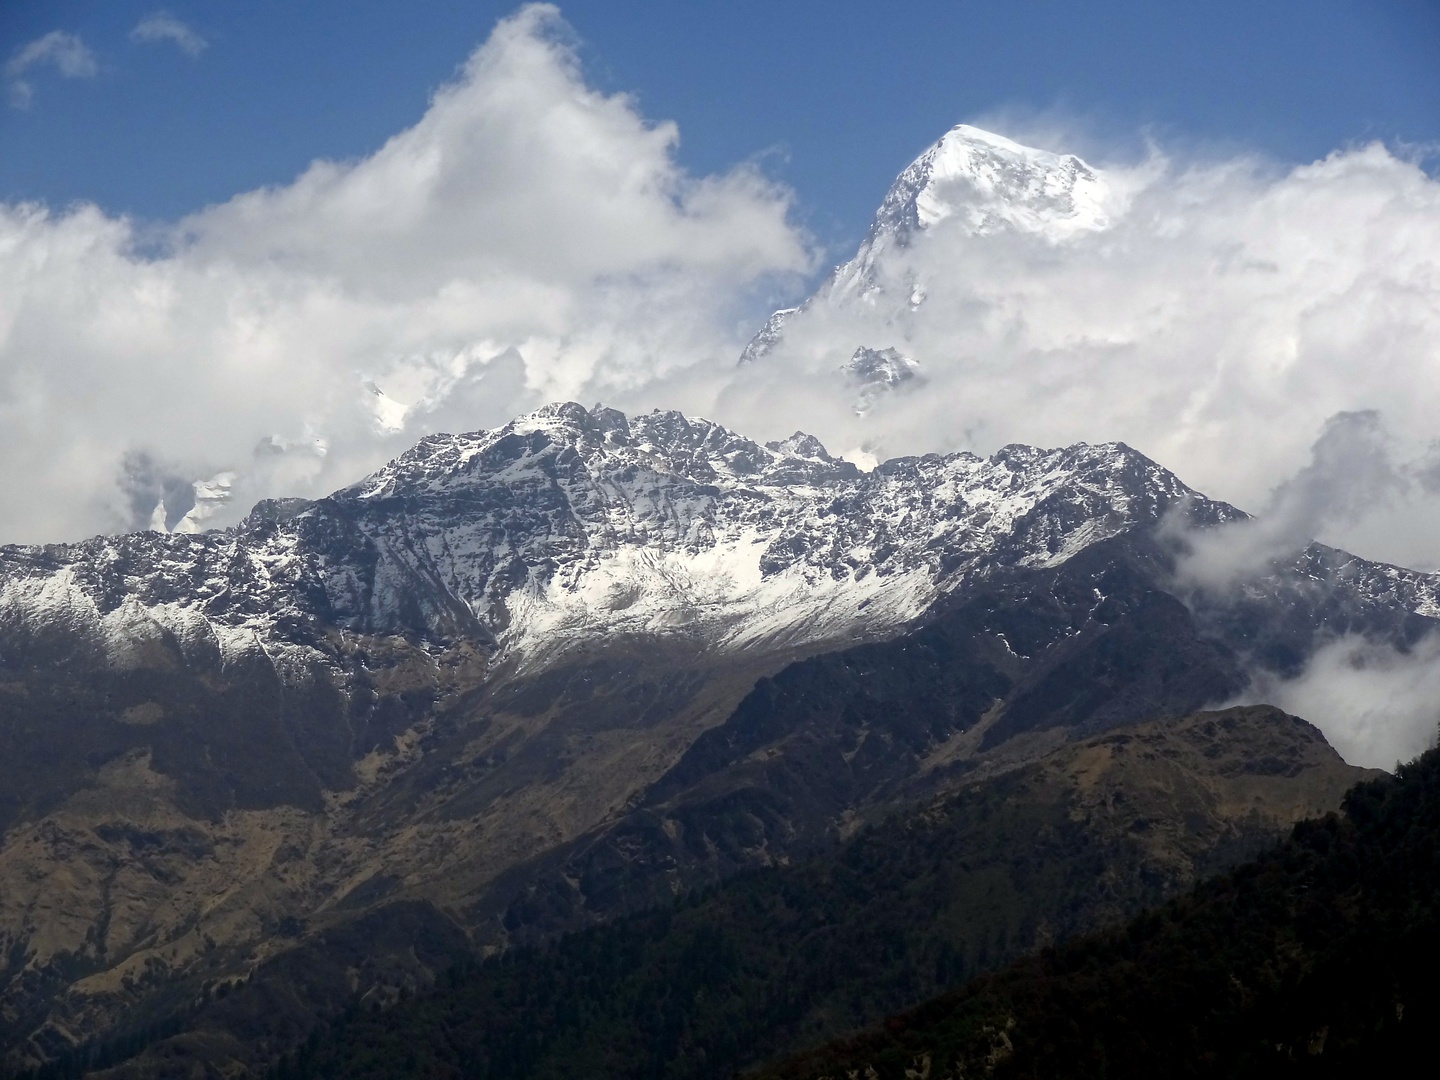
1216	318
528	239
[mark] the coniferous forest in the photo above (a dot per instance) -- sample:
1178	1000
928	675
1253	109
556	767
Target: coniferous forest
1317	959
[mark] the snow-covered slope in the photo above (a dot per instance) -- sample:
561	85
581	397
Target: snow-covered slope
988	182
570	525
979	183
971	181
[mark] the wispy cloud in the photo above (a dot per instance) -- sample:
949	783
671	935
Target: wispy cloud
69	55
1376	704
161	26
1352	472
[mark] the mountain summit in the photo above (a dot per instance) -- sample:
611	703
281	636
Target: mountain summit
568	523
982	183
971	180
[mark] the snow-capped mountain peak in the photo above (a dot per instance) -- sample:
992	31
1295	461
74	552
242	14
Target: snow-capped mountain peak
877	371
980	183
970	181
571	439
986	182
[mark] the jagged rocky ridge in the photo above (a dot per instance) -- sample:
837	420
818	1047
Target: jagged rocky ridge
524	679
568	523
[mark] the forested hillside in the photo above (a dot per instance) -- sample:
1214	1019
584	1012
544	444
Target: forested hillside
1315	960
773	961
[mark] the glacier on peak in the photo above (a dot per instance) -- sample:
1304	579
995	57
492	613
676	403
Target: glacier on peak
972	181
987	182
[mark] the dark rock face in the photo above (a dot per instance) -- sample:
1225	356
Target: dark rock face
544	675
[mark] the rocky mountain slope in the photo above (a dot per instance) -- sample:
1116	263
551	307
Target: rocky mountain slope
1019	857
568	523
522	680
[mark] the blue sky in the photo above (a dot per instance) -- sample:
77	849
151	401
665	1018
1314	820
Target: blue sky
832	97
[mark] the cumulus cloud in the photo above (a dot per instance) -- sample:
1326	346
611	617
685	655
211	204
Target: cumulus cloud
1228	310
528	239
161	26
1375	704
70	56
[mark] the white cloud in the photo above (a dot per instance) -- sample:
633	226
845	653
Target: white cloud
1221	319
1351	475
161	26
1375	705
529	239
70	56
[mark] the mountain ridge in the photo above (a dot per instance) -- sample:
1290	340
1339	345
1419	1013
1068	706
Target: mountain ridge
534	677
591	489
